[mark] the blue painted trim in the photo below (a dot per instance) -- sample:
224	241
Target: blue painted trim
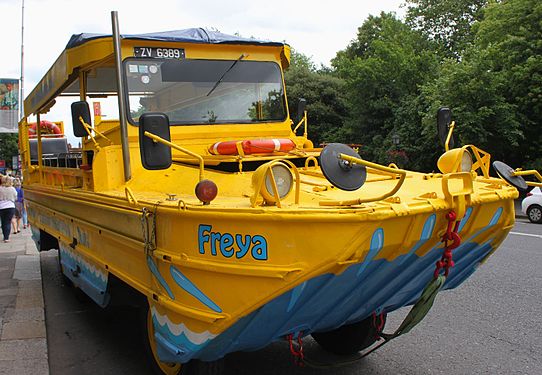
296	293
189	287
465	219
154	270
86	280
427	232
377	242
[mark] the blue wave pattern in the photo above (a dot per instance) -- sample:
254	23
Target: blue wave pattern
188	286
91	280
329	301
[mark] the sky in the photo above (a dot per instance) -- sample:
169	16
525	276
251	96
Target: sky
317	29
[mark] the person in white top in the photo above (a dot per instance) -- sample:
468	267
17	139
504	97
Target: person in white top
8	196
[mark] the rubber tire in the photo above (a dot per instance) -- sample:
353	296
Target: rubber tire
536	211
196	367
348	339
193	367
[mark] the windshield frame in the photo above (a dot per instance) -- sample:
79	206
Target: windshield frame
284	100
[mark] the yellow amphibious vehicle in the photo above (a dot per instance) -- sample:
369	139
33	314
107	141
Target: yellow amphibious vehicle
198	193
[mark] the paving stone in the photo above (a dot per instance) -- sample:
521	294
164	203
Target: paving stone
29	301
7	301
23	330
8	292
24	367
27	267
29	287
24	315
27	349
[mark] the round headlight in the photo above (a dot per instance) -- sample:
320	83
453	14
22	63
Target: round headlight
455	160
283	179
466	162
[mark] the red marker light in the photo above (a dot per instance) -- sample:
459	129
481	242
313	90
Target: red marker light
206	191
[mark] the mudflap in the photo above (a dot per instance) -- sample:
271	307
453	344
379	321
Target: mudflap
88	277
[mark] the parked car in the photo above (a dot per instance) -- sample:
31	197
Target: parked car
532	205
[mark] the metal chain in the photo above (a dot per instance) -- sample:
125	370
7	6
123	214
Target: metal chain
149	229
446	262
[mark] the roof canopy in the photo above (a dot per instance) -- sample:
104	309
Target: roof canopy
194	35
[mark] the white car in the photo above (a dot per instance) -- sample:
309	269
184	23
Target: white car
532	205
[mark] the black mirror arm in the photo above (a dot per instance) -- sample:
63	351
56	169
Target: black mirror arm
161	140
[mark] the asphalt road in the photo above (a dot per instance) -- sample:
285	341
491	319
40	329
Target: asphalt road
492	324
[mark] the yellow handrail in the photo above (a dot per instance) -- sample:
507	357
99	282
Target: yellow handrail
449	136
156	138
531	172
401	172
88	128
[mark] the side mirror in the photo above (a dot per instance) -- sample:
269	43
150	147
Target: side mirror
80	109
444	119
301	109
154	155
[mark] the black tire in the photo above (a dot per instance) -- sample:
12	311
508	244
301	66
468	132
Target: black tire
534	213
348	339
193	367
196	367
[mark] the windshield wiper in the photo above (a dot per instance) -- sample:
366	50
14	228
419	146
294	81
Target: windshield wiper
226	72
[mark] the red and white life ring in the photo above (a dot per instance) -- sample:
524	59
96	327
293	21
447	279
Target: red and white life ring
253	146
47	127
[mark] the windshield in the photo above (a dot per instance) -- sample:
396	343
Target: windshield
205	91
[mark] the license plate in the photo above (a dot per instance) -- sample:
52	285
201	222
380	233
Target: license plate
159	53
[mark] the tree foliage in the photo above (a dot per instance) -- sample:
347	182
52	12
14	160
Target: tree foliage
447	22
496	89
327	105
384	68
8	147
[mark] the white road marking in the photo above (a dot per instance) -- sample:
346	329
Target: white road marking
526	234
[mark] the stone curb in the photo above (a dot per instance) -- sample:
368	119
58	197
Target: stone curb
23	339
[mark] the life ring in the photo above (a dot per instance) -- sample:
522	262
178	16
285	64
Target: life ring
47	127
253	146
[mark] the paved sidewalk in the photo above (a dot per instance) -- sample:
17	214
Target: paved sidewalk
23	342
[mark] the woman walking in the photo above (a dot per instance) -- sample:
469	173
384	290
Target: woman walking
19	207
8	196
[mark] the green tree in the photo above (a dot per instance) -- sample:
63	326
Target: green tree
447	22
384	68
476	96
495	90
8	147
511	37
327	106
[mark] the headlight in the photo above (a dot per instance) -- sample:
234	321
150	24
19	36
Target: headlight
273	173
466	161
283	180
455	160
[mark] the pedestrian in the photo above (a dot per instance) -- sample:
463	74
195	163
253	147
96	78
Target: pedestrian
8	196
19	207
